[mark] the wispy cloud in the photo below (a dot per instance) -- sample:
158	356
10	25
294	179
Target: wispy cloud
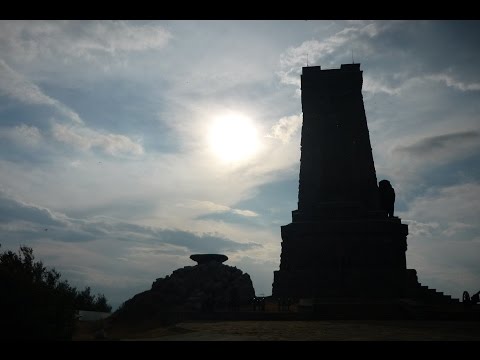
370	39
19	220
285	128
86	40
209	207
417	228
455	227
456	203
22	134
15	210
317	51
441	146
375	85
443	243
18	87
247	213
451	81
401	82
445	142
202	242
85	139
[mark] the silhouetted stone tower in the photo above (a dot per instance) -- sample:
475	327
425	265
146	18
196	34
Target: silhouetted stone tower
340	243
337	170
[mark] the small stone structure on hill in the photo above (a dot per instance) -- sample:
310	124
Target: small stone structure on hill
207	286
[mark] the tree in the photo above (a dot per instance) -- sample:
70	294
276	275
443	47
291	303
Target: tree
101	303
35	303
86	301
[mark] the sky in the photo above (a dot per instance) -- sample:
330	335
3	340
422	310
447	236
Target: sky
127	146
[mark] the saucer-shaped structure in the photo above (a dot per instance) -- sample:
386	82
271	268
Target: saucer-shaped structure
206	258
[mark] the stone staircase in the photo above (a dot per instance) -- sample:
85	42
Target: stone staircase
420	302
424	303
430	296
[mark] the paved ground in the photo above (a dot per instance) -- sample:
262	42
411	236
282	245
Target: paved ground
199	336
337	330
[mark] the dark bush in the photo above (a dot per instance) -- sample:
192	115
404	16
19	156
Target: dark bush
35	304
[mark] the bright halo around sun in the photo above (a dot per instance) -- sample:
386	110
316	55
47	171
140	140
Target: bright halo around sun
233	138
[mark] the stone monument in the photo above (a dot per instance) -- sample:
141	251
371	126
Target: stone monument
341	242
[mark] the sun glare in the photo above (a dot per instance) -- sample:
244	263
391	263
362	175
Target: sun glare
233	137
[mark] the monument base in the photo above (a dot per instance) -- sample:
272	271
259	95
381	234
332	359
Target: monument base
343	258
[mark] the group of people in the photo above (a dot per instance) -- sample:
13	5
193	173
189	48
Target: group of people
467	300
259	302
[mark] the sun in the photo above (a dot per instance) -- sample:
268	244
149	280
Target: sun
233	137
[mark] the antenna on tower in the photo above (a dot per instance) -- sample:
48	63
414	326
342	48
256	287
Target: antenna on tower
353	62
307	59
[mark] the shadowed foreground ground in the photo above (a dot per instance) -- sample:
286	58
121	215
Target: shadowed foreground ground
330	330
335	330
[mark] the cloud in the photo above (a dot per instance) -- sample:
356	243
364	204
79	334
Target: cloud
85	139
29	134
441	146
375	86
417	228
231	219
292	60
12	210
86	40
21	220
455	227
401	82
381	46
285	128
205	205
202	243
443	242
456	203
113	36
247	213
17	87
210	207
450	81
417	164
22	134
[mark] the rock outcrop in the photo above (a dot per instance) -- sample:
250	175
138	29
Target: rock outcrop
208	286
